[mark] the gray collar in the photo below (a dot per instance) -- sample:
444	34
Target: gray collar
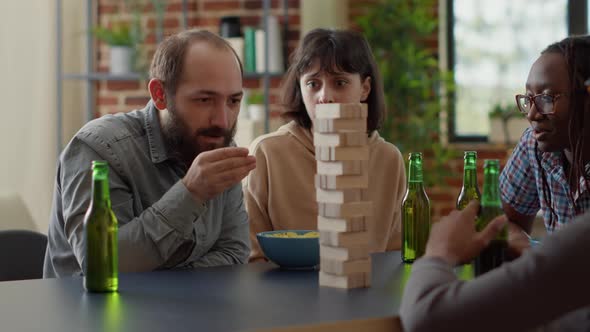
152	127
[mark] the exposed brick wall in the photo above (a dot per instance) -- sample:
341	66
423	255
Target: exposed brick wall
115	97
442	199
357	8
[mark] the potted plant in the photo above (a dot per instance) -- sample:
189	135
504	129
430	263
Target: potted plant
413	83
122	38
256	107
506	124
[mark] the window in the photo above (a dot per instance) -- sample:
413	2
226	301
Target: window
492	45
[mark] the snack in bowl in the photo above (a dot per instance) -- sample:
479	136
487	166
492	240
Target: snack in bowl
291	249
310	234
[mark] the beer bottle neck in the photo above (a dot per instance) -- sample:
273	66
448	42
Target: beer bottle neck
470	174
415	179
101	194
491	188
415	186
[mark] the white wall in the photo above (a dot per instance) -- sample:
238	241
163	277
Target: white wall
28	119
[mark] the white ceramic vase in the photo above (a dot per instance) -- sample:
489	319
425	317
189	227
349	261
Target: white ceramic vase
121	60
515	128
256	112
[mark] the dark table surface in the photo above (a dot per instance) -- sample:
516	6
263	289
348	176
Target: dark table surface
229	298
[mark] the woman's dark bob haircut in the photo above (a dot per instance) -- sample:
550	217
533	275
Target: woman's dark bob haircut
336	51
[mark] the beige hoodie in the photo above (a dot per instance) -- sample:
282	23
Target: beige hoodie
280	192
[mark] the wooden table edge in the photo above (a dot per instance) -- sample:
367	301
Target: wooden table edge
385	324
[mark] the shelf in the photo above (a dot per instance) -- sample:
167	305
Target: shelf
138	76
105	77
90	76
261	75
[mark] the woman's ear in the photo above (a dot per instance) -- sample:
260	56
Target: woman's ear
157	93
366	88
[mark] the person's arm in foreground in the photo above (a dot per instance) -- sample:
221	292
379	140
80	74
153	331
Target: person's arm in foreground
544	283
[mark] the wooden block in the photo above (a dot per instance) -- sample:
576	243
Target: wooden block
353	138
337	153
356	280
340	125
365	195
338	267
338	196
344	210
339	111
341	181
344	239
352	224
344	167
343	253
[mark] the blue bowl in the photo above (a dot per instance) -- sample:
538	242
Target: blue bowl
290	253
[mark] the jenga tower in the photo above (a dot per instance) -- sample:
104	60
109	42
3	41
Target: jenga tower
342	154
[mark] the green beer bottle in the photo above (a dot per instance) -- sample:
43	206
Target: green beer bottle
469	190
491	207
100	230
415	212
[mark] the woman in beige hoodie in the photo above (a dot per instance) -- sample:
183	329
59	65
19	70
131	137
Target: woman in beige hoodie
329	66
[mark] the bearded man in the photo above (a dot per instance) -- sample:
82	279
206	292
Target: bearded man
174	171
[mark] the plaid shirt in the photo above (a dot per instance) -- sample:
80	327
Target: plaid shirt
521	184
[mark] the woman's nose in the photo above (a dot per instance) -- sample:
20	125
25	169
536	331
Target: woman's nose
326	96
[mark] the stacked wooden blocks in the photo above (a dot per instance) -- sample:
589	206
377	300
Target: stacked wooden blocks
341	181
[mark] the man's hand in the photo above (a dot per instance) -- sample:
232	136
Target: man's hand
518	242
212	172
454	238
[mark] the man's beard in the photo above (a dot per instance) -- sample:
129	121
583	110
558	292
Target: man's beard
183	145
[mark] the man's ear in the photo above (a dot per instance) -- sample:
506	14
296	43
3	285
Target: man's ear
157	93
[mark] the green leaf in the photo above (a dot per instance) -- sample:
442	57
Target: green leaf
119	34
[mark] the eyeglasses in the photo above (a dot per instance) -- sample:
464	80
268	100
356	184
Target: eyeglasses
545	103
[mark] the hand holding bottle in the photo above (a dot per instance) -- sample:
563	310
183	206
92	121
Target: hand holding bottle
454	238
518	240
